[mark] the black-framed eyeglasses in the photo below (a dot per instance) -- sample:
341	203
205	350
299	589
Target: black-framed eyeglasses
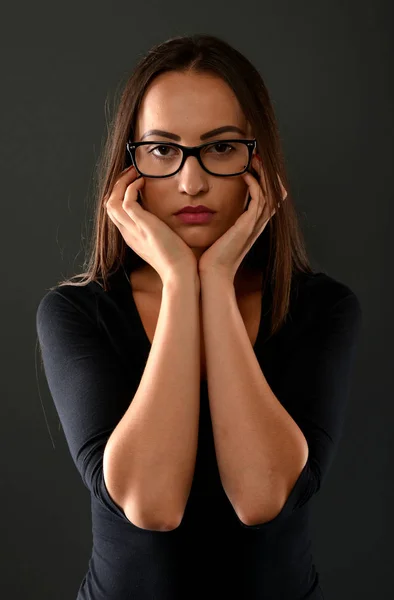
224	158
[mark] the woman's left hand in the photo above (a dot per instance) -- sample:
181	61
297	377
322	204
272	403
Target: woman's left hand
226	254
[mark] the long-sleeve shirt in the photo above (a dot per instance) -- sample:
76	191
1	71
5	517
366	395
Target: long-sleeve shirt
94	350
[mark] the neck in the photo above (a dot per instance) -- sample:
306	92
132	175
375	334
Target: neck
147	279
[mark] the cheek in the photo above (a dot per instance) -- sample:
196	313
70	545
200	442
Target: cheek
158	199
149	196
236	191
237	195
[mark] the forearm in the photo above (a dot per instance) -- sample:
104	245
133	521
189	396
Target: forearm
260	449
150	457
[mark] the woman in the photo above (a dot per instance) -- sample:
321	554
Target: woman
200	368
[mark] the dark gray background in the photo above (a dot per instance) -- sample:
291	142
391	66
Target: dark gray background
328	68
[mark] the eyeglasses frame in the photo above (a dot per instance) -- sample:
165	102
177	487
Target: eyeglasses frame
189	151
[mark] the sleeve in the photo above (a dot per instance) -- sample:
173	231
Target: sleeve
87	384
314	387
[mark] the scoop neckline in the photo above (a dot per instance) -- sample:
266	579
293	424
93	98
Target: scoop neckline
263	326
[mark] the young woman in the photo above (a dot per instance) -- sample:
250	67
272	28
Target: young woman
200	368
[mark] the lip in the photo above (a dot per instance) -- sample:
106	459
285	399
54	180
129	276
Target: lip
196	218
195	209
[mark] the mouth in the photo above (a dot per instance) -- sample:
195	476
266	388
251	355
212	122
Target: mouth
195	218
194	210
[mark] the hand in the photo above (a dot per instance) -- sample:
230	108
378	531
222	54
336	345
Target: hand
152	239
226	254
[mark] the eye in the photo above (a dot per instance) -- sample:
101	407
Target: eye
164	147
221	145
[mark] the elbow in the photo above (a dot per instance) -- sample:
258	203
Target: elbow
291	494
250	520
152	520
137	510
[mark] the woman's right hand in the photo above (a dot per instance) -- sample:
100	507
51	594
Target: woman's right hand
152	239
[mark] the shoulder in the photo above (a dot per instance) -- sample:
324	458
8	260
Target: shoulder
89	304
317	295
62	300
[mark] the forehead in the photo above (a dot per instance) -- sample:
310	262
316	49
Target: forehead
188	105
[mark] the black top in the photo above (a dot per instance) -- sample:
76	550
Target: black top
95	349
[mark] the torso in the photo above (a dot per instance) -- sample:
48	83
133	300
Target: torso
148	306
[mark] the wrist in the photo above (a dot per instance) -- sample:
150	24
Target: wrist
186	279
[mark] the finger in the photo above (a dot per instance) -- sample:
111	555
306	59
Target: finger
126	174
124	224
122	204
118	191
130	204
122	189
263	183
282	187
257	164
126	214
259	168
256	192
252	215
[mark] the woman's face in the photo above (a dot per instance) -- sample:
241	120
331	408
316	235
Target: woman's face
189	105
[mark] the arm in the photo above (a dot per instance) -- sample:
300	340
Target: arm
150	457
273	449
140	430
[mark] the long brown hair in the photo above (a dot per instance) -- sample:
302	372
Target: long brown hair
201	53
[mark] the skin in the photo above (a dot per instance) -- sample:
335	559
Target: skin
189	105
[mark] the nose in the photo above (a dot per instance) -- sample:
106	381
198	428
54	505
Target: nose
192	177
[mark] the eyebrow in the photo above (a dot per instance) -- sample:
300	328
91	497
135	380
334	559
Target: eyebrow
204	136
